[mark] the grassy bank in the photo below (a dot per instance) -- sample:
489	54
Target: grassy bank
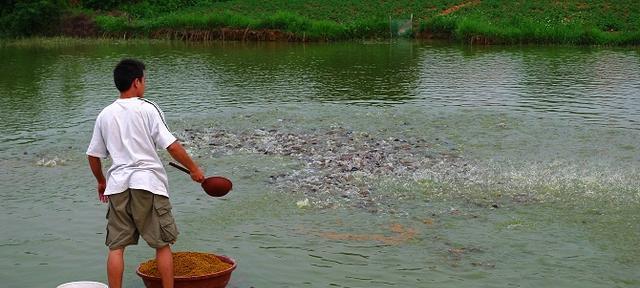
474	21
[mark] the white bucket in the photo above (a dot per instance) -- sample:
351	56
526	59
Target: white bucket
83	284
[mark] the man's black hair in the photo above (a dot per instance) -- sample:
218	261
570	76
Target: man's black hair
125	72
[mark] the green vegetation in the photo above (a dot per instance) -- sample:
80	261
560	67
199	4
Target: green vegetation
599	22
26	18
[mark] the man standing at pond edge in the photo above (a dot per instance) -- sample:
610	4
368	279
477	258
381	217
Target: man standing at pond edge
136	188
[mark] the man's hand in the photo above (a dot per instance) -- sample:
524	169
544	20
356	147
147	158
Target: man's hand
96	169
197	175
101	187
178	153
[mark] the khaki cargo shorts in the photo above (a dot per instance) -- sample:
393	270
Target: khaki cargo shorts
135	213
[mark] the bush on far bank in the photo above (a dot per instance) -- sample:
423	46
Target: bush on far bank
31	17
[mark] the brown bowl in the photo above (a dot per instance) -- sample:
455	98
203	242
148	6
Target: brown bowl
215	280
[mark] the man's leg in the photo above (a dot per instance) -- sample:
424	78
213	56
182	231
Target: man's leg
121	232
115	267
165	265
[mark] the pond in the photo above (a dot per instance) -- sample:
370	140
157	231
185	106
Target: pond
400	164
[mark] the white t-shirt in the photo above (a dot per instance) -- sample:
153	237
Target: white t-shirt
130	130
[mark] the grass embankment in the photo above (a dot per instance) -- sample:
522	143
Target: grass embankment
473	21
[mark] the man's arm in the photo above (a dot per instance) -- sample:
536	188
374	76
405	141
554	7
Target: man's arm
179	154
96	169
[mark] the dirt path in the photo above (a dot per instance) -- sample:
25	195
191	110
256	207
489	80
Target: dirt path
458	7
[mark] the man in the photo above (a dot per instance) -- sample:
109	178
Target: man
136	188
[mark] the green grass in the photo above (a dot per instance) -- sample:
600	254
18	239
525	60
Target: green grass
569	22
600	22
285	21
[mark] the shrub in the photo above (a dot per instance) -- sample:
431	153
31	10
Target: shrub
111	24
286	21
103	4
27	18
326	30
370	27
439	24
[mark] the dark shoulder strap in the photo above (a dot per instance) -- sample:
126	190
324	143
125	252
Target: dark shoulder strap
157	109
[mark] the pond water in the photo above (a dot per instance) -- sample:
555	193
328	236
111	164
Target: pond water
547	138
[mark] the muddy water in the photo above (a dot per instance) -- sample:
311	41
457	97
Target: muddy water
354	165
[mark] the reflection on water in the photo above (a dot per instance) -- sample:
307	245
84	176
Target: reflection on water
60	88
597	86
549	134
